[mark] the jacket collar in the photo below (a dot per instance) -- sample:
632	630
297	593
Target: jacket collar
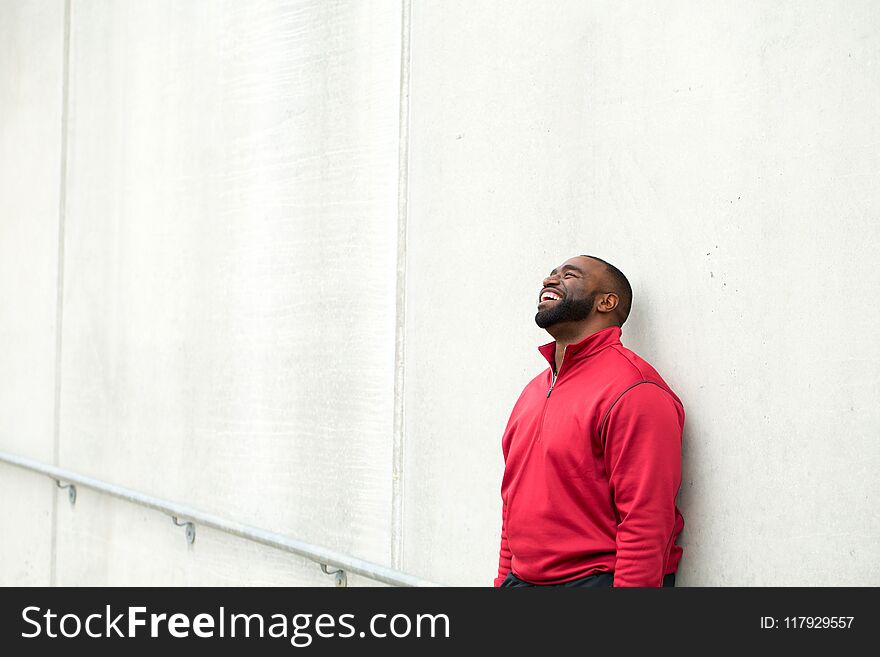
583	349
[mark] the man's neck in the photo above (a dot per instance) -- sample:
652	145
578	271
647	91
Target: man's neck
567	333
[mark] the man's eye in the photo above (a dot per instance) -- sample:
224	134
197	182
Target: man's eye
568	274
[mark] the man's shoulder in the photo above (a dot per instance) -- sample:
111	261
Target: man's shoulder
628	363
626	369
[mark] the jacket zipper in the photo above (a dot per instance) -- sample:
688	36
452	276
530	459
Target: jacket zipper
547	398
556	374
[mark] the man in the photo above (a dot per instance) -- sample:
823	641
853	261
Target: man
592	450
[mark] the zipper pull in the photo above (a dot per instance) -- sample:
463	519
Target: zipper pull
552	383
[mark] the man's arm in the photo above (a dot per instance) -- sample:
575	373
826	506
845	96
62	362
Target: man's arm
504	555
643	462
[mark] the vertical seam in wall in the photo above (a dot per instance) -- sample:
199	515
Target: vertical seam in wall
397	460
59	291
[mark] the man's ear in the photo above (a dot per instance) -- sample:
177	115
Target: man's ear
607	302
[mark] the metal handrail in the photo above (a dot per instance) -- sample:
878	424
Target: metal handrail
320	555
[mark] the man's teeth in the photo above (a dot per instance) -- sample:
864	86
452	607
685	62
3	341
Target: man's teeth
549	296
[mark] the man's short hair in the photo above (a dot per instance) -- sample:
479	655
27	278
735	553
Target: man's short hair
620	286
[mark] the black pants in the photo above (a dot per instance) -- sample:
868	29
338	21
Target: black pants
598	580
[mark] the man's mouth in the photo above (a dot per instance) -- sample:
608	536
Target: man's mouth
549	296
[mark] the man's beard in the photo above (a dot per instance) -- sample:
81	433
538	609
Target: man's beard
565	310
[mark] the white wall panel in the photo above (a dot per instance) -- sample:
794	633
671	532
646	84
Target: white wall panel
31	45
230	271
724	157
31	64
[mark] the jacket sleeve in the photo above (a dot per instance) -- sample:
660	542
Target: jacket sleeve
504	555
643	462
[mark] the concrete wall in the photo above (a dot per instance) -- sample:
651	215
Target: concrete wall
301	244
31	81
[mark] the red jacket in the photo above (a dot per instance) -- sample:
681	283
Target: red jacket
592	468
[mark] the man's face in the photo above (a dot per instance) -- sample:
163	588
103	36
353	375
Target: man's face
567	294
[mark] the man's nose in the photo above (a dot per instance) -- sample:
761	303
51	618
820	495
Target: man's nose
552	278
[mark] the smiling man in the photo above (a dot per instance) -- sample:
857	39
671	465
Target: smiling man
592	450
